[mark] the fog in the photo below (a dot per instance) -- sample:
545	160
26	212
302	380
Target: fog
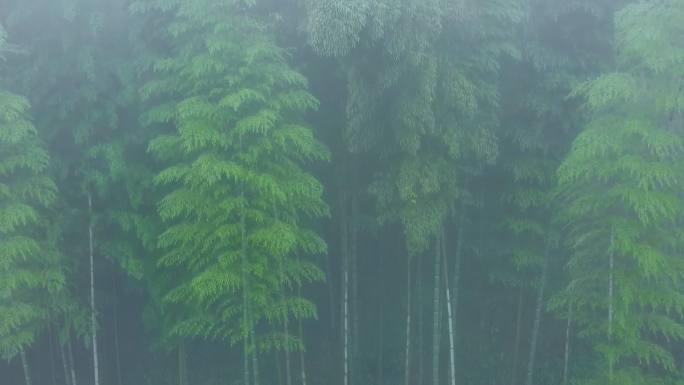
341	192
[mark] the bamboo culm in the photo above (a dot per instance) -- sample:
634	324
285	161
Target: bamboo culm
407	353
25	366
452	359
436	311
93	312
537	319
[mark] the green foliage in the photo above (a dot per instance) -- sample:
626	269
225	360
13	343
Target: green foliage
30	275
621	188
237	199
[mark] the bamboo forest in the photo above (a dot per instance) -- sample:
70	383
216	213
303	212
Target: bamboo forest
341	192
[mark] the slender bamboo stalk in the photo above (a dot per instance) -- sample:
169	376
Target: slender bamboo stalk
25	366
516	344
537	319
421	323
436	311
53	375
302	360
344	243
72	367
115	316
455	287
566	359
288	375
255	359
245	311
381	291
611	266
452	352
182	364
62	355
93	315
407	362
353	243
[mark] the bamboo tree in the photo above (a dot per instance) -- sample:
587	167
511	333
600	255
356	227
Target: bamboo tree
233	155
620	191
436	309
450	323
32	277
407	350
93	311
566	352
25	366
537	319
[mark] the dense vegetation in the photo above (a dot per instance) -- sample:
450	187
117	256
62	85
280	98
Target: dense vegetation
344	192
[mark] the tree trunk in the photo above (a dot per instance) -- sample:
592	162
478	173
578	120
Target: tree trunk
455	287
537	319
93	315
182	364
288	375
566	359
63	357
117	353
421	324
245	311
302	361
381	292
279	369
346	325
25	366
72	364
53	375
407	363
355	340
450	318
344	243
245	362
516	344
611	267
255	359
436	312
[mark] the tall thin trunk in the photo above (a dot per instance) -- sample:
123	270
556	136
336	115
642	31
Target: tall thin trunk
63	357
452	351
182	364
53	375
537	319
72	365
255	359
611	263
421	324
516	344
25	366
245	360
288	375
407	362
344	243
436	311
279	369
302	361
93	315
455	286
381	331
115	316
247	325
346	325
566	359
355	340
